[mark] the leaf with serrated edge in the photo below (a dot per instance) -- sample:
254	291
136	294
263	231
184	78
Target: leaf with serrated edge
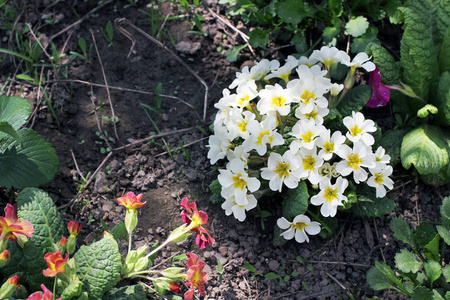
98	266
407	262
35	206
432	270
14	110
401	230
382	277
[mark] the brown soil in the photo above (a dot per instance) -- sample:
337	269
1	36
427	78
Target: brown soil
329	269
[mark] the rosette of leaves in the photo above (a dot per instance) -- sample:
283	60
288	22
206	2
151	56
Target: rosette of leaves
422	138
422	272
26	158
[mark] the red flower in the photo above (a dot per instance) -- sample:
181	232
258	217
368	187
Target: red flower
381	93
13	280
11	226
4	256
131	201
56	264
175	287
194	222
196	277
74	228
47	295
63	242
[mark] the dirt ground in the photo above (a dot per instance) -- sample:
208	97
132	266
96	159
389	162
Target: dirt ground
328	269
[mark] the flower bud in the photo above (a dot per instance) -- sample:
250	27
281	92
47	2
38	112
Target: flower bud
4	258
175	287
9	287
131	219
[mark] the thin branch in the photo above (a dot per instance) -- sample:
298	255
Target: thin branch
339	263
187	145
125	21
76	165
98	122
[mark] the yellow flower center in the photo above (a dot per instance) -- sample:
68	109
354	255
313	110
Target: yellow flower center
307	96
378	178
239	183
285	77
282	169
243	99
278	101
309	163
330	194
328	147
312	115
354	161
261	136
355	130
307	137
242	126
299	226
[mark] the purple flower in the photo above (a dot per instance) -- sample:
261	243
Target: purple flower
380	94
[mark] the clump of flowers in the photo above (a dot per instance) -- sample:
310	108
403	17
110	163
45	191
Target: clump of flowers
287	125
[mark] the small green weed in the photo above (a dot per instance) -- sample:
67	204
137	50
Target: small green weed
85	53
108	33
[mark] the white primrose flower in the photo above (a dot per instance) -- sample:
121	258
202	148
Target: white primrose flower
261	69
329	171
299	228
238	210
329	144
309	94
335	89
282	169
353	160
361	60
237	124
310	164
317	114
328	56
284	71
330	196
262	134
245	92
235	181
379	180
238	152
306	131
359	128
218	144
241	77
307	61
381	158
274	98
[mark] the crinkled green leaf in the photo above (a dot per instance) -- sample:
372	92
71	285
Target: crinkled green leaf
382	277
291	11
407	261
372	207
424	148
233	53
444	53
402	231
14	110
354	100
132	292
442	101
258	38
391	142
421	293
360	44
418	52
423	234
98	266
31	162
296	201
432	270
389	68
74	289
36	206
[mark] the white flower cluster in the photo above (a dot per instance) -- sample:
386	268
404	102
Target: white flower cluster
274	131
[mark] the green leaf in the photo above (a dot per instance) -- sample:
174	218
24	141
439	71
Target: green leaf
437	295
291	11
423	234
389	68
444	54
372	207
421	293
249	267
444	233
233	53
445	209
336	7
258	38
30	163
407	262
357	26
446	273
418	52
424	111
402	231
299	41
423	147
8	129
360	44
382	277
272	275
433	248
131	292
98	266
296	201
14	110
432	270
442	101
391	142
36	206
73	290
354	100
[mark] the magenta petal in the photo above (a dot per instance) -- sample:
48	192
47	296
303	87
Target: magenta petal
379	97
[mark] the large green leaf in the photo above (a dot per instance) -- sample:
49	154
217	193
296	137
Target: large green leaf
442	101
424	148
14	110
98	266
36	206
32	162
406	261
296	201
444	53
132	292
291	11
389	68
354	100
418	51
382	277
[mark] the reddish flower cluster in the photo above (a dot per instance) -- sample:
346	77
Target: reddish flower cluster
56	263
194	222
196	277
131	201
48	295
74	228
11	227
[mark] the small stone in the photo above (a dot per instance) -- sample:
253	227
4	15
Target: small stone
274	265
223	251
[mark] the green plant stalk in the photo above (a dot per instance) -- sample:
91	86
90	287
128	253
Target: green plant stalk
17	54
